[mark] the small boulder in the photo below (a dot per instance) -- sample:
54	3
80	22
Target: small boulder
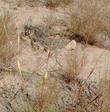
71	45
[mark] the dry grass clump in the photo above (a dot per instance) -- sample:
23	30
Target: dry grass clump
6	40
105	88
31	3
48	94
55	3
74	66
87	18
47	3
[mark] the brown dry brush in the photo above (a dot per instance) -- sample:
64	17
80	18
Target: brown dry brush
88	18
86	93
104	86
56	3
7	39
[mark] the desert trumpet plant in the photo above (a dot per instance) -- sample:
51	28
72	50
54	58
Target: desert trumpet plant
18	61
45	78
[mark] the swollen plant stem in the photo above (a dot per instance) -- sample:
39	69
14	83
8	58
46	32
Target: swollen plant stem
18	44
18	61
42	95
44	81
5	29
4	25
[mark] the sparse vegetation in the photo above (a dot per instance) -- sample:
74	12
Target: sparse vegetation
56	3
62	75
74	67
87	19
105	86
47	3
6	40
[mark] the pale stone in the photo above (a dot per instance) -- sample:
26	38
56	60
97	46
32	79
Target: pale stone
71	45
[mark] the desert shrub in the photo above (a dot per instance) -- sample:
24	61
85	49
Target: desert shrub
47	3
105	88
87	18
6	39
32	3
55	3
75	64
72	68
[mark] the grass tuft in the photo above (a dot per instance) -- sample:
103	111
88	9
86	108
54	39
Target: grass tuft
56	3
87	19
6	40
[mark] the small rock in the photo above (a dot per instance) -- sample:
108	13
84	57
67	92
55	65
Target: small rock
103	40
71	45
